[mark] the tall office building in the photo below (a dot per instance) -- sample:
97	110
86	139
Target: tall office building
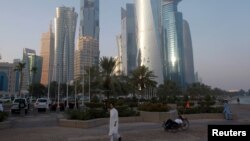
149	36
119	66
128	48
35	62
86	55
47	53
27	79
188	54
173	53
89	18
65	27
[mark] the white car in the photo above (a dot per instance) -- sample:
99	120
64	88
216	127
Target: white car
42	103
18	104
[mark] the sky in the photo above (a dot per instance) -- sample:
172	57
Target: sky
220	31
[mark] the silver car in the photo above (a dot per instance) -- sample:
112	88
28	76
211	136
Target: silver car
42	103
18	104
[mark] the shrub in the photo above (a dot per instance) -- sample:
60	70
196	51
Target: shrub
126	111
86	115
3	116
94	105
154	107
197	110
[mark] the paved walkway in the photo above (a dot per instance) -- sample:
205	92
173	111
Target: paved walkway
129	131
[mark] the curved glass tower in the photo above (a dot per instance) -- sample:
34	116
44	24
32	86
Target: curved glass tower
172	24
188	54
148	36
65	26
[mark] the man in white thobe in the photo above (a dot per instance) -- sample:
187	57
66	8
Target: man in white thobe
113	124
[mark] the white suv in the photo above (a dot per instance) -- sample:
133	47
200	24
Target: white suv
18	104
42	103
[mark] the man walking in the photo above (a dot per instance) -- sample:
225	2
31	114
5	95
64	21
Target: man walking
114	123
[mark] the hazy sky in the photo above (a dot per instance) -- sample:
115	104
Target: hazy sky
220	31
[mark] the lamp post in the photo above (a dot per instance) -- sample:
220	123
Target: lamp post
49	81
89	83
75	82
67	104
82	86
58	106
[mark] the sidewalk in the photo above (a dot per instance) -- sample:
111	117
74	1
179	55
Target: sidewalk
129	131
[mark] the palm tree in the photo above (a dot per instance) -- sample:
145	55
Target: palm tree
142	78
33	70
19	68
169	88
108	65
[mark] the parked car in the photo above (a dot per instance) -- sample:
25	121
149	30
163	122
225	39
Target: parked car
19	104
42	103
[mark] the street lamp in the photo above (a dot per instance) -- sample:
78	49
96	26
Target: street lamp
82	86
58	106
89	83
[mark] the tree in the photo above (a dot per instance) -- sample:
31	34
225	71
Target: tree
169	88
198	89
142	78
108	65
19	68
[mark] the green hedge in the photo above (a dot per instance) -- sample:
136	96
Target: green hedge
197	110
153	107
86	115
93	113
3	116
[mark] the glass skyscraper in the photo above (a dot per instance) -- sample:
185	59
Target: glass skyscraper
188	54
148	29
65	27
127	45
173	53
27	79
89	18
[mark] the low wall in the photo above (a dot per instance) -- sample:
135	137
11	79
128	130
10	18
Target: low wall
144	117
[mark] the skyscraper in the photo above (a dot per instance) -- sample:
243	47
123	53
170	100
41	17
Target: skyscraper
128	46
27	79
65	27
148	28
47	53
173	52
89	18
87	53
188	54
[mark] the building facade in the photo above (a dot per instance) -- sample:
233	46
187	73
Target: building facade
128	47
89	18
188	54
148	27
173	52
65	27
86	55
27	79
47	53
9	79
